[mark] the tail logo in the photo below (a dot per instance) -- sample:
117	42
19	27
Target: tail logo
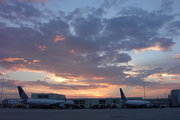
22	94
123	97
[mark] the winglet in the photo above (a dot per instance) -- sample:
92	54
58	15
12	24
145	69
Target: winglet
22	94
123	97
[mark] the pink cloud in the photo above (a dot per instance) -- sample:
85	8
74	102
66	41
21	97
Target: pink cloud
35	1
11	59
176	56
59	38
2	1
42	47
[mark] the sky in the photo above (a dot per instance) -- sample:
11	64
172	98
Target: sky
90	49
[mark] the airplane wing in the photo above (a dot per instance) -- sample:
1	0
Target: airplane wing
53	104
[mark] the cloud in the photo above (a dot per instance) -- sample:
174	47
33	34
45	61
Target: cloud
2	1
58	38
17	12
166	6
107	4
35	1
176	56
12	84
175	78
174	69
81	44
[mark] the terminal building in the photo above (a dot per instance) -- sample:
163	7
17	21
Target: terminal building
95	103
49	96
175	97
99	103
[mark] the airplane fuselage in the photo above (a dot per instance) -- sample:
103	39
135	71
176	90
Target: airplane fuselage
137	103
44	102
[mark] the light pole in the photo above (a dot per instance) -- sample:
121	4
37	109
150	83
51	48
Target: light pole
2	88
144	85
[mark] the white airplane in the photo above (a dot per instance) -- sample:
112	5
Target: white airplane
133	103
43	102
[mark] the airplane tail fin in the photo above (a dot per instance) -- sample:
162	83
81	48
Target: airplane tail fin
22	94
123	97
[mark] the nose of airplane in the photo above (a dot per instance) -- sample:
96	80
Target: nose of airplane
72	103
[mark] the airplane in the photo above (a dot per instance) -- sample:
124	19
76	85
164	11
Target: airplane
133	103
43	102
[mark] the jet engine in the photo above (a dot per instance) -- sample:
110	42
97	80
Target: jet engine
61	105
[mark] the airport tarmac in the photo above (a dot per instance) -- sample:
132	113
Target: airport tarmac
90	114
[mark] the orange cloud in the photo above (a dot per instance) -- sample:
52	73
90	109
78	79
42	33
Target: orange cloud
11	59
174	78
79	77
136	51
156	47
72	51
15	59
36	60
59	38
69	76
156	75
42	47
98	78
17	67
64	74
